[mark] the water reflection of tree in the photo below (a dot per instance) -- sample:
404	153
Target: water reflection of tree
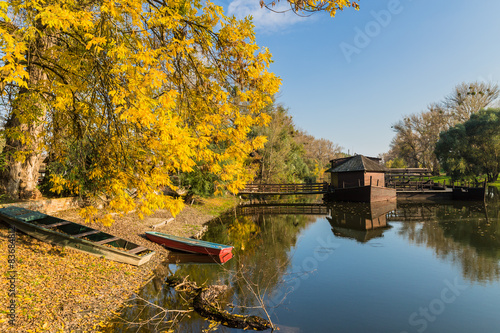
262	244
154	309
467	235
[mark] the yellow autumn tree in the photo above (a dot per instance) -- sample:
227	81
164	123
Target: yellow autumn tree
121	95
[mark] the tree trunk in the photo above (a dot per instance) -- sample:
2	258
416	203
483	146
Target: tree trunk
492	177
23	157
20	179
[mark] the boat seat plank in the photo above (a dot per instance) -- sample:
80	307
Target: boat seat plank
137	250
22	214
56	224
87	233
109	240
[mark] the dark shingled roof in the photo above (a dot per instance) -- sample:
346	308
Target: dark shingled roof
358	163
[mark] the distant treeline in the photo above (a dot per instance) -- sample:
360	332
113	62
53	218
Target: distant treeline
418	135
290	154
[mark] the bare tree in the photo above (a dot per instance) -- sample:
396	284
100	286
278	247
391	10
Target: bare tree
469	98
417	134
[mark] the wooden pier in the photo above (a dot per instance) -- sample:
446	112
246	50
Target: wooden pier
285	189
415	184
403	184
411	179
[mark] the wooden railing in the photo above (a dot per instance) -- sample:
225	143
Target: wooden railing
410	179
413	185
312	188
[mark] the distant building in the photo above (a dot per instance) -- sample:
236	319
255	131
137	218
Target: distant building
357	171
358	178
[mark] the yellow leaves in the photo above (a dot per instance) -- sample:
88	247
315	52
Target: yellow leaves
214	325
178	87
13	52
119	51
215	169
109	8
264	119
95	41
88	213
95	173
258	142
167	100
54	283
60	184
61	16
122	203
123	10
4	6
106	220
57	183
242	232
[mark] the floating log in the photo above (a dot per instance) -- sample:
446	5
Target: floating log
204	301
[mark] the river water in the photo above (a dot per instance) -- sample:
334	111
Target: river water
410	267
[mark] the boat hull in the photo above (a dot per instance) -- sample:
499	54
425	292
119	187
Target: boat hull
175	257
469	193
425	195
189	245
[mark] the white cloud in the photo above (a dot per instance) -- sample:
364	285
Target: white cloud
263	18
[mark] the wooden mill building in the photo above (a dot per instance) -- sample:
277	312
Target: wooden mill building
359	178
355	171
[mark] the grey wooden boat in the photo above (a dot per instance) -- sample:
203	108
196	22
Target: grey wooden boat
77	236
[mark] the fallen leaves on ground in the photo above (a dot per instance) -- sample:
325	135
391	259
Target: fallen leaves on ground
60	289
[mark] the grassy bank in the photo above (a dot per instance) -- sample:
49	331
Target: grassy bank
62	290
443	178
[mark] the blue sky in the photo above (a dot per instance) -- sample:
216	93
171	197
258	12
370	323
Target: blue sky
349	88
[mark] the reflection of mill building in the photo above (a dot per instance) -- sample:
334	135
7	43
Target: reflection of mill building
360	221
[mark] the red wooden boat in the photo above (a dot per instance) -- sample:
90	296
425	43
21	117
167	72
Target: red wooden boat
191	245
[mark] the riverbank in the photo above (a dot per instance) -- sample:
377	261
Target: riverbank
62	290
